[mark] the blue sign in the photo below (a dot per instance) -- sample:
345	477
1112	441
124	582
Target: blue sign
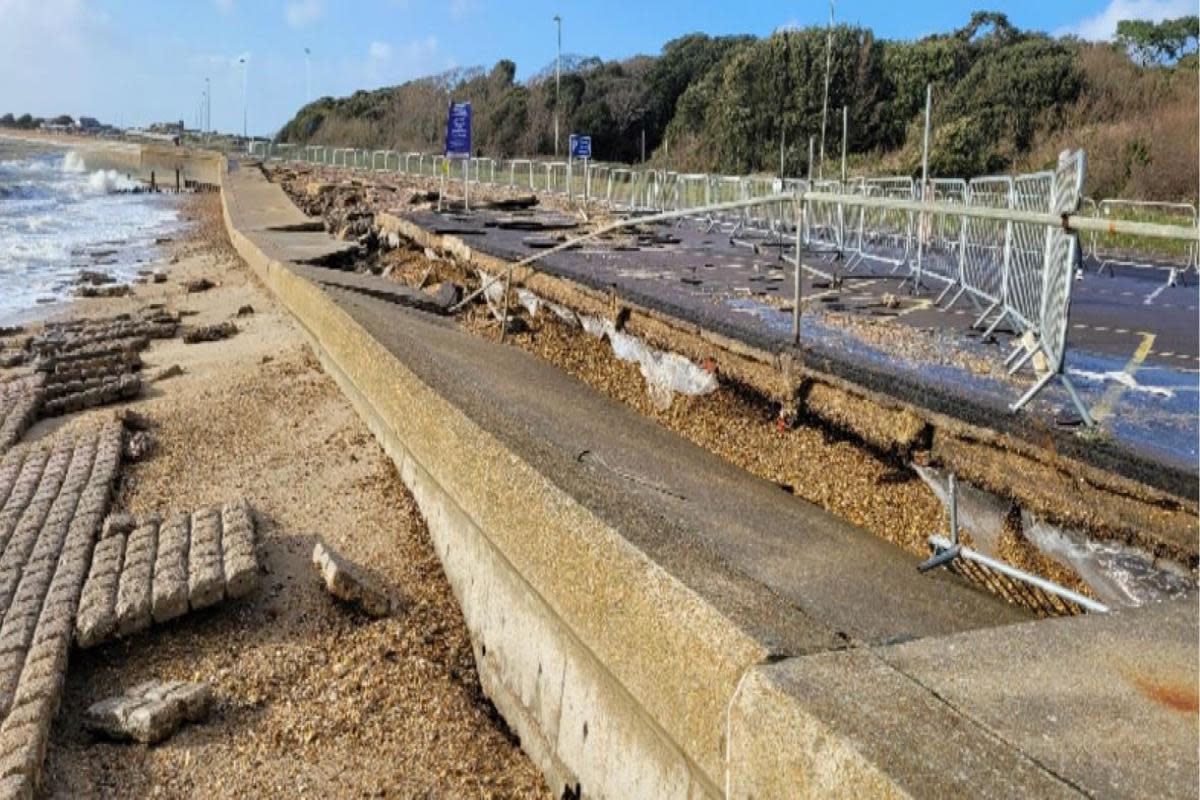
458	130
581	146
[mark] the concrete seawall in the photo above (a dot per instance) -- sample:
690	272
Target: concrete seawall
653	623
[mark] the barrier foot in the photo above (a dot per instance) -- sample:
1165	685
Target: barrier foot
1023	360
1033	391
986	312
1084	414
1079	406
945	292
940	558
957	296
995	324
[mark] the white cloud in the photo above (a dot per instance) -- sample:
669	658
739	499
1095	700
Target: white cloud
1103	26
387	64
303	12
379	51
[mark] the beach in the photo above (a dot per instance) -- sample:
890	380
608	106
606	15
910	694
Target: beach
311	698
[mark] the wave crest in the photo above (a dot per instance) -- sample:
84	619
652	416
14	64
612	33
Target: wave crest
107	181
73	162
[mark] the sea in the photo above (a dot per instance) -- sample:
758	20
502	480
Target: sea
58	218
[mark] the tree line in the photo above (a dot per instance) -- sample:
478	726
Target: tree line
741	104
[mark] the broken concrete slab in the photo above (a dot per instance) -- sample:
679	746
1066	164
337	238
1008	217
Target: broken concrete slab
151	712
350	583
158	572
209	333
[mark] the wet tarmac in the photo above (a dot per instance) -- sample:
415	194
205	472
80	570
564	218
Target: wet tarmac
1134	347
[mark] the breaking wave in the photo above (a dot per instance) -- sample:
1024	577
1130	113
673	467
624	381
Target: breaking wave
107	181
73	162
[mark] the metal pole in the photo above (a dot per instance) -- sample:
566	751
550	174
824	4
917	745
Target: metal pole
811	144
207	105
557	82
796	278
845	137
245	99
922	218
825	103
782	142
925	144
308	75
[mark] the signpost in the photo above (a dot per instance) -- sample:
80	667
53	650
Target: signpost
580	147
458	145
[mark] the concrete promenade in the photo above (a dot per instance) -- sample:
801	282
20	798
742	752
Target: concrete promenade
653	622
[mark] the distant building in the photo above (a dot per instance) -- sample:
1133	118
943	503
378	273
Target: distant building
168	128
89	124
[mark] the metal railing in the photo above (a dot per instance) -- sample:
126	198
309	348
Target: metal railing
987	240
1111	250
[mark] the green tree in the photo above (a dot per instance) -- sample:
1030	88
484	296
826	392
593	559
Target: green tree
1158	42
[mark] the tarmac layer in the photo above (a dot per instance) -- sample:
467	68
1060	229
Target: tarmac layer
629	596
744	294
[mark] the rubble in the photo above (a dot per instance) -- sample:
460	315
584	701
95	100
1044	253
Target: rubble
58	492
119	523
160	570
209	333
165	373
107	291
150	712
349	583
138	445
196	285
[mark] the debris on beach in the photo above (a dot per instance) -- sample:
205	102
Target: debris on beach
196	285
95	277
19	403
104	292
138	446
245	310
161	569
151	712
209	333
349	583
165	373
60	490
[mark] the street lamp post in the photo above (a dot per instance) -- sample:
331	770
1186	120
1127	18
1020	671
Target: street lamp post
557	81
308	74
245	99
825	102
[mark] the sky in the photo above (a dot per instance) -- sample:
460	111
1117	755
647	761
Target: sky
132	62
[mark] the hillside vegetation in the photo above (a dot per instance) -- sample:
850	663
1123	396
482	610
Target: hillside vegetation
1004	99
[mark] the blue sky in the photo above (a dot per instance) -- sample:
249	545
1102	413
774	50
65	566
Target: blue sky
136	61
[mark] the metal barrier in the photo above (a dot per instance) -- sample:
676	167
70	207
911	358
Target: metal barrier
986	240
1112	250
1045	598
942	236
1057	277
822	225
882	234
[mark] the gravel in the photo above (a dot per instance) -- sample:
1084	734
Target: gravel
310	698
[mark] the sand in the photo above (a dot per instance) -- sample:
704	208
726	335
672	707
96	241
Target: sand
312	699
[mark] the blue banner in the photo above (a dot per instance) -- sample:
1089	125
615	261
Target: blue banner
458	130
581	146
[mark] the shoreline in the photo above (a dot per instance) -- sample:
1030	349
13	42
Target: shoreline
162	255
310	697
